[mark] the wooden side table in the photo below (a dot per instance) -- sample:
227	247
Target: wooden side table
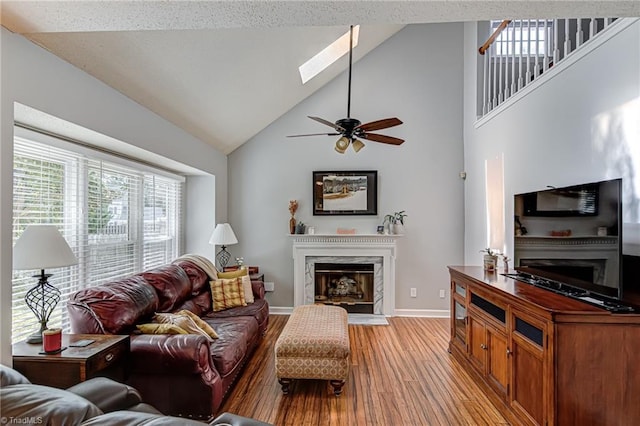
254	272
106	356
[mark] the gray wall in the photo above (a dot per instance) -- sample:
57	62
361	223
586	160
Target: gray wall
416	76
34	77
580	126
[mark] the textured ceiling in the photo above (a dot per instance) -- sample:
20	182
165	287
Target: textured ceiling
224	70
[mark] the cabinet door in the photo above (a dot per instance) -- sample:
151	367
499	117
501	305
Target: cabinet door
527	352
459	324
477	343
497	360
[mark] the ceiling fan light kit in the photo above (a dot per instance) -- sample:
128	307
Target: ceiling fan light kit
351	129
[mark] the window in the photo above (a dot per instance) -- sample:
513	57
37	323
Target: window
523	36
118	219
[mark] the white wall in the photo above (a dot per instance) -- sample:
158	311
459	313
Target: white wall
200	215
34	77
580	126
416	76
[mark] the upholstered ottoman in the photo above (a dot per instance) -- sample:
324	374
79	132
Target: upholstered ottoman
314	344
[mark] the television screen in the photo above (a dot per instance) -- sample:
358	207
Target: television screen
572	235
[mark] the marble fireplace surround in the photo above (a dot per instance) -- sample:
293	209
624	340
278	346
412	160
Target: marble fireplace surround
377	249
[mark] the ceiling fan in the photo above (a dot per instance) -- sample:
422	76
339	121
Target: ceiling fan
351	129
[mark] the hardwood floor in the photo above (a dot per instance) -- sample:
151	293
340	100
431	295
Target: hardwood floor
401	374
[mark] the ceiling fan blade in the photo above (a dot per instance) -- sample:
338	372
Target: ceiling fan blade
314	134
327	122
380	124
382	138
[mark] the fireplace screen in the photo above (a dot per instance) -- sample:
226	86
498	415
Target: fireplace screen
346	285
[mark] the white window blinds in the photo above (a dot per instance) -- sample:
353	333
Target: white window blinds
117	219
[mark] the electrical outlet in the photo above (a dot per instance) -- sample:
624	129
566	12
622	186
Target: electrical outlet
414	292
442	294
269	286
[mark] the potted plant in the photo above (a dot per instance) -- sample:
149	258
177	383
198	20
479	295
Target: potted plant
300	228
395	221
490	259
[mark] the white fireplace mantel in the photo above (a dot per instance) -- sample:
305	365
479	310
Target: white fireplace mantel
350	245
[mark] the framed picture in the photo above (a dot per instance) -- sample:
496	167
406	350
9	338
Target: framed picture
345	193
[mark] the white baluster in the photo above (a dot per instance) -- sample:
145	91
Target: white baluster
547	45
556	44
520	55
527	78
495	77
579	33
513	57
567	39
500	66
485	80
593	28
536	68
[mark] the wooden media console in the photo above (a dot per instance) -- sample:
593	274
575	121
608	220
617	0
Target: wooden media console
544	358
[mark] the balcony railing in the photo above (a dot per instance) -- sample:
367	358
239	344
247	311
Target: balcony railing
520	51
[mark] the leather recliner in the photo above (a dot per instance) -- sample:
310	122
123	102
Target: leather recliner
97	401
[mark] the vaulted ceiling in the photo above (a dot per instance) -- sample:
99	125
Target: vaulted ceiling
224	70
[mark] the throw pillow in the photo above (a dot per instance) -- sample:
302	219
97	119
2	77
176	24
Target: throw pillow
227	293
160	329
182	321
246	282
200	323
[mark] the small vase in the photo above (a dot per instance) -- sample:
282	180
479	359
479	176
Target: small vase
490	262
292	225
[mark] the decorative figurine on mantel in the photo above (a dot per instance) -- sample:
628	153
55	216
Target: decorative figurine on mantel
293	207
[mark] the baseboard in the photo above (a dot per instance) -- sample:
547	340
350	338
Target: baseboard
427	313
280	310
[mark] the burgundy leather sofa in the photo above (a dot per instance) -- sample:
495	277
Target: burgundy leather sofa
182	374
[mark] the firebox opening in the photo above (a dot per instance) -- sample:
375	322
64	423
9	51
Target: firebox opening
347	285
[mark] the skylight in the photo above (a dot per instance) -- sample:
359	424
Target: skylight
328	55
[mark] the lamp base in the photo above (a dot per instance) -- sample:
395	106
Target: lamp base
223	257
35	338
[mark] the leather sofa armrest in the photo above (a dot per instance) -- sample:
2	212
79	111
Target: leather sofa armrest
258	289
236	420
106	394
172	353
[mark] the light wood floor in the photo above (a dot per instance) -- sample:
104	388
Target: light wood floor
401	374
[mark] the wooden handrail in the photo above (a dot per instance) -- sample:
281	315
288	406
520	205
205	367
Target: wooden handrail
493	36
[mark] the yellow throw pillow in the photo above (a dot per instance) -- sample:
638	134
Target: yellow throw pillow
233	274
183	321
160	329
246	282
227	293
199	322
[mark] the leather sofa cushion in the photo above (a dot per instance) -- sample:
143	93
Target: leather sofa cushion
229	350
118	306
172	284
129	418
51	406
199	304
258	310
199	278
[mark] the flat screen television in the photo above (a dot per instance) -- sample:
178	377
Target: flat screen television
572	236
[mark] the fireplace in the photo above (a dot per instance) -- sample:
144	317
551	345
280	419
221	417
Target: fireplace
350	285
589	270
371	258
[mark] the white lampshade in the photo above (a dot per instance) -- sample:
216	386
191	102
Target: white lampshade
42	247
223	235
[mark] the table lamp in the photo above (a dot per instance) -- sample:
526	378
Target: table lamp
223	235
42	247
